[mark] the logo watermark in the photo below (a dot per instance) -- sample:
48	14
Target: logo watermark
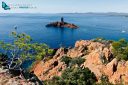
6	6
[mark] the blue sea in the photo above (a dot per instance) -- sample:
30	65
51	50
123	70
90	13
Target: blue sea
91	26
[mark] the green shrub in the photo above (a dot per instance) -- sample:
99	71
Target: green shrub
77	60
66	59
74	76
55	81
104	81
72	61
120	49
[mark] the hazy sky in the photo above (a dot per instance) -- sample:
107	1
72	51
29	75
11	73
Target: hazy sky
69	6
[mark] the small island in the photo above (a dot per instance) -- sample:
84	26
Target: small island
62	24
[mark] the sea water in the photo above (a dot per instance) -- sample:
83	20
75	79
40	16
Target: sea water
90	25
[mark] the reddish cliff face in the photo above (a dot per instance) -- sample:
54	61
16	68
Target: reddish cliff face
99	59
46	70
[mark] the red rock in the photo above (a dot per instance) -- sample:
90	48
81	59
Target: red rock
94	53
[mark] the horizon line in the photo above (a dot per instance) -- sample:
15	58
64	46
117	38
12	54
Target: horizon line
62	12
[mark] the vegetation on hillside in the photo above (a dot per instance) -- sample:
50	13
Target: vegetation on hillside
104	81
72	61
120	49
73	76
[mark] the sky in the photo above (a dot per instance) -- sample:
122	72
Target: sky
68	6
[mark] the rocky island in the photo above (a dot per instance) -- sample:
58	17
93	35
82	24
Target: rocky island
62	24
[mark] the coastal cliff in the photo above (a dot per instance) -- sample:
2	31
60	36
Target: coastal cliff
93	60
98	58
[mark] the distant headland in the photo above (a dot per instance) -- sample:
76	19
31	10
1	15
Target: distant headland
62	24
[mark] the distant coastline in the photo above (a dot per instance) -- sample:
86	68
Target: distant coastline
95	13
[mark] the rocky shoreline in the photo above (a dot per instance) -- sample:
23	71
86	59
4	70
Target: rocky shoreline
98	57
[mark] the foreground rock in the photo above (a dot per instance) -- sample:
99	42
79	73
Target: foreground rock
7	79
99	59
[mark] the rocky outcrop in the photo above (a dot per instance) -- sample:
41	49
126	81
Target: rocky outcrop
120	73
99	59
53	67
7	79
62	25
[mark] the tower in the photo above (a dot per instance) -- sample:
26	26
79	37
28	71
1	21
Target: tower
62	19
